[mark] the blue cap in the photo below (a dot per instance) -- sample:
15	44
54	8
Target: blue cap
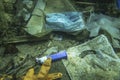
58	56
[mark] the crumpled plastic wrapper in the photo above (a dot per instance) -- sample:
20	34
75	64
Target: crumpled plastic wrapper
93	60
110	25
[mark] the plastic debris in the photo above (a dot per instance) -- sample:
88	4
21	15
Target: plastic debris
66	22
28	3
108	24
43	73
54	57
92	60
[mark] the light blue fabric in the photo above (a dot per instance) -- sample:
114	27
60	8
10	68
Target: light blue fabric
66	22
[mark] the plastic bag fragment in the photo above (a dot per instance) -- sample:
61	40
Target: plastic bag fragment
66	22
111	25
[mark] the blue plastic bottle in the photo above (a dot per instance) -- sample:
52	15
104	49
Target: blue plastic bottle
54	57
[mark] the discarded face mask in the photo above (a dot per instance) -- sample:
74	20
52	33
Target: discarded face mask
43	73
66	22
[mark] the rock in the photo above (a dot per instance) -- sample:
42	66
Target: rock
100	23
41	4
34	25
